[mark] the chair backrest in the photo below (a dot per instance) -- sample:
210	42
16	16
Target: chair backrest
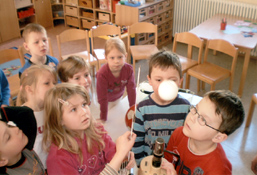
7	55
143	27
71	35
224	47
192	41
104	30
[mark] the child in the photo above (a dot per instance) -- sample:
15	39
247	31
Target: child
113	77
75	70
35	81
4	89
76	143
36	42
156	117
16	154
209	123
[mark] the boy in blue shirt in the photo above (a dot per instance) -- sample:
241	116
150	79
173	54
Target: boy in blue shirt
156	117
4	89
36	42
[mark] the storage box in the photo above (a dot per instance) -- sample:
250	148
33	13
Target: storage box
150	36
152	20
142	12
160	7
167	25
88	14
104	16
167	36
151	10
86	3
160	39
26	13
168	4
72	2
58	14
22	3
70	10
88	24
72	21
160	29
167	15
159	18
141	38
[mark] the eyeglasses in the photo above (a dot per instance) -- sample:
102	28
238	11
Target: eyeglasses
201	120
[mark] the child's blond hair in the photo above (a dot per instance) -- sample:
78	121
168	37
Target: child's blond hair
30	78
115	43
32	27
69	67
55	133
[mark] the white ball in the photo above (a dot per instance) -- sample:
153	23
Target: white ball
168	90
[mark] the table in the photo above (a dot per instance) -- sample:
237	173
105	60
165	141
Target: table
210	29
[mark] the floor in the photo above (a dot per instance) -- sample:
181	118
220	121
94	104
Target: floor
240	147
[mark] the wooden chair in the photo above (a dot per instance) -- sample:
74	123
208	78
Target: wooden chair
191	40
139	52
102	31
13	80
251	109
211	73
70	35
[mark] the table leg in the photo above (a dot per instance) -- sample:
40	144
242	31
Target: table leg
244	71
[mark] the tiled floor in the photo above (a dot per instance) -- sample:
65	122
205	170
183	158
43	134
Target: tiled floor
240	147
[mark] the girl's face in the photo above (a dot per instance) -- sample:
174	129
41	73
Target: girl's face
82	78
76	115
44	83
116	60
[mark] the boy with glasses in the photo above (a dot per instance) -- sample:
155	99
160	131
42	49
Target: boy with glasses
209	123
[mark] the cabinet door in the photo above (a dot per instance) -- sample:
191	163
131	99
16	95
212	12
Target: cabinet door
9	27
43	12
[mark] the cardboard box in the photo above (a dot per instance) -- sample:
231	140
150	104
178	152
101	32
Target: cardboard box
159	18
72	2
160	7
151	10
86	3
88	14
142	13
104	16
88	24
72	21
70	10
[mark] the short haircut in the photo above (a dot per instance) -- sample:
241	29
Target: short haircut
229	107
69	67
164	60
32	27
116	43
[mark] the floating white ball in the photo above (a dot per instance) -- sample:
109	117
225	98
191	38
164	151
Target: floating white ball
168	90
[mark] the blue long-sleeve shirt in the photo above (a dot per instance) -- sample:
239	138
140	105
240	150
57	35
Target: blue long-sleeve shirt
4	89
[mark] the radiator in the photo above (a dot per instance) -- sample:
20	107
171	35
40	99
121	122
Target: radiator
190	13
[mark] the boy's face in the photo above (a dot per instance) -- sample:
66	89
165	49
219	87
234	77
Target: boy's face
115	60
158	75
37	44
82	78
193	129
12	142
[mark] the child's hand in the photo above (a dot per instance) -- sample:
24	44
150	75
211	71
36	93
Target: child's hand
124	143
254	165
168	167
132	161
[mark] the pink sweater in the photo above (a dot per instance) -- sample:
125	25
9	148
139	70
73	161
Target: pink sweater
110	88
60	161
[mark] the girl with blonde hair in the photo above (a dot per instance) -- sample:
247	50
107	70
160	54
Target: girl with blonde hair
34	83
114	76
77	144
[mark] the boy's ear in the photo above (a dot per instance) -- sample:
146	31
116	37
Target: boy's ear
220	137
149	80
3	162
180	81
25	45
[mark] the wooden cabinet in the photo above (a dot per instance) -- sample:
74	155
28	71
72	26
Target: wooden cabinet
87	13
43	12
9	27
57	10
157	12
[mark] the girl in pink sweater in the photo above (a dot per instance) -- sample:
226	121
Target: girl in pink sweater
114	76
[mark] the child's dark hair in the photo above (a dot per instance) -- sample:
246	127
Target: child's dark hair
165	59
229	107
